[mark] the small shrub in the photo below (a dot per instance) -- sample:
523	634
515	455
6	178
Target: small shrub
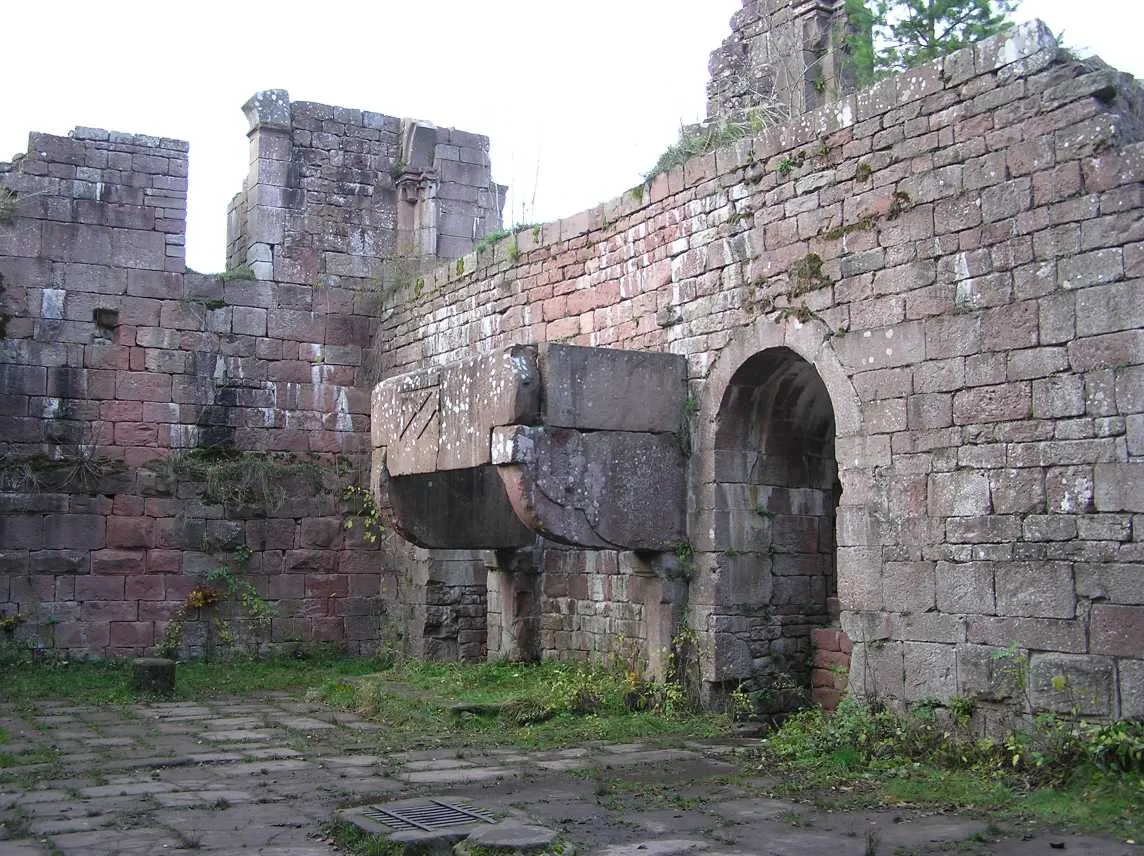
8	205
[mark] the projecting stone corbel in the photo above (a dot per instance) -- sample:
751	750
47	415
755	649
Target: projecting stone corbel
579	445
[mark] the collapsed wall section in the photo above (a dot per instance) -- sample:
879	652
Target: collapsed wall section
957	252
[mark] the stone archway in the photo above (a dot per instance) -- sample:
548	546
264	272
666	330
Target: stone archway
776	493
775	457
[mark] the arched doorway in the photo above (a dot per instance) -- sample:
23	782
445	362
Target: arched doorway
776	494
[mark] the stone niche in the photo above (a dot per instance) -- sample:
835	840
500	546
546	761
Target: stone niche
582	446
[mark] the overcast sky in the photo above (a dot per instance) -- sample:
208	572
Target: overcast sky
579	98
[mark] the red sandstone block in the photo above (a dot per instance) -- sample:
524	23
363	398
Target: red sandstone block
824	638
159	611
121	411
561	329
826	698
145	587
31	590
74	531
844	643
360	628
828	659
132	634
118	562
142	386
91	588
327	585
85	635
841	681
125	505
106	356
130	531
177	586
136	434
327	629
138	456
822	678
164	561
115	610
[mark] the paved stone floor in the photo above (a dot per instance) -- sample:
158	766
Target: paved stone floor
260	777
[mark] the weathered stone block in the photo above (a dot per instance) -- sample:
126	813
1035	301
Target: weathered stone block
958	494
1117	630
1071	683
965	587
610	390
908	586
1130	675
456	509
930	670
1119	487
601	488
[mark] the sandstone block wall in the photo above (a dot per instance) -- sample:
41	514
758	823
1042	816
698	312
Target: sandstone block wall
114	355
330	192
957	253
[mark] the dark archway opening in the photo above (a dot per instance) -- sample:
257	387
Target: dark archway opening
776	493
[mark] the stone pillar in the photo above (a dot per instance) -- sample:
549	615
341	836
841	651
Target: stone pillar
416	182
658	582
514	606
828	72
257	220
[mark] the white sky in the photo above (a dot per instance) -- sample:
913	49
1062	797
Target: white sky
579	98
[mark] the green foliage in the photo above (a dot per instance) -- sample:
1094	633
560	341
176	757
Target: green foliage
364	508
242	479
210	304
490	239
807	275
701	139
355	841
544	704
495	237
8	206
242	272
930	756
893	35
790	163
29	680
80	472
225	584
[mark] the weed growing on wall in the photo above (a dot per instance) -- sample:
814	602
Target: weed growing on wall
226	584
8	206
243	479
363	508
701	139
495	237
80	472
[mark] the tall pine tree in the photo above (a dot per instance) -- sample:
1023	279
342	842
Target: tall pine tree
897	34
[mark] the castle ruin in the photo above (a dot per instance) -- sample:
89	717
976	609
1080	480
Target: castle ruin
857	402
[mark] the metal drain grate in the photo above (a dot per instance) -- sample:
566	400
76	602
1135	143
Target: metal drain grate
426	816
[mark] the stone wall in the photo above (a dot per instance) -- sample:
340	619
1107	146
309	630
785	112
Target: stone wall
116	362
334	194
955	254
782	58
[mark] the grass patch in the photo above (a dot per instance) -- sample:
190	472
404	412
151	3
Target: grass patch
110	683
1054	773
544	705
357	842
244	479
